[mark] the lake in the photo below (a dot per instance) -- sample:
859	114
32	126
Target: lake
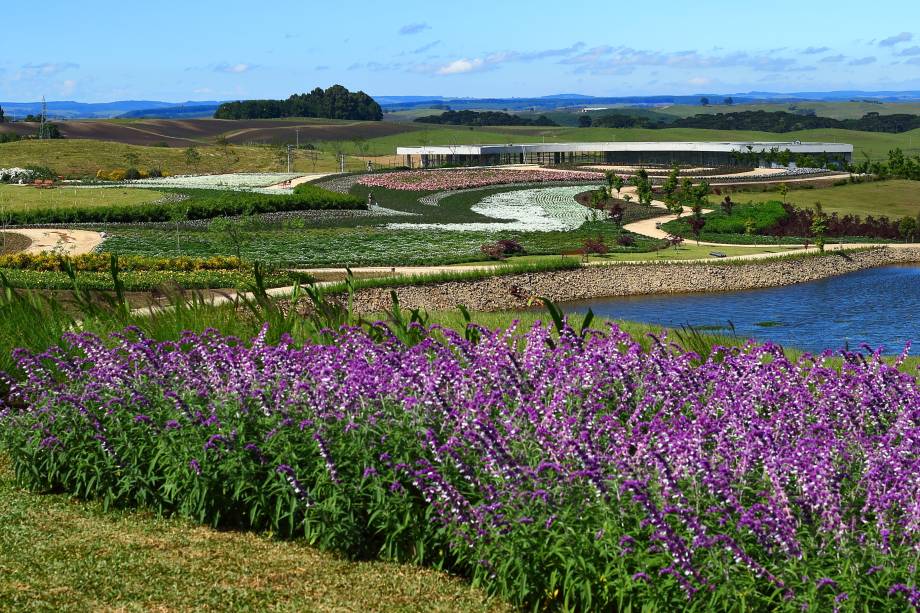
880	307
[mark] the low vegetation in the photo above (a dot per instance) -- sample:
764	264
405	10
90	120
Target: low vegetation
586	514
485	118
186	203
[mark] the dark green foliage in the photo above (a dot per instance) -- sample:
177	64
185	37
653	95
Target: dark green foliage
201	204
485	118
781	121
335	102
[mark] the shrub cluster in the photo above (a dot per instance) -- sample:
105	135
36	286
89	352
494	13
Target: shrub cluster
201	204
101	262
567	471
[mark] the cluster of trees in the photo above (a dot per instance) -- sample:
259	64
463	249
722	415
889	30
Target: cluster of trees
763	121
485	118
782	121
335	102
621	120
898	166
2	117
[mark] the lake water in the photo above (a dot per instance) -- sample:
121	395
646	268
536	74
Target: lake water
880	307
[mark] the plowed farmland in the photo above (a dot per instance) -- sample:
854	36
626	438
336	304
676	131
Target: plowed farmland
186	132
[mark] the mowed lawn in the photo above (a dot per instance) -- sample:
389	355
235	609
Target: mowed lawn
894	199
18	198
60	554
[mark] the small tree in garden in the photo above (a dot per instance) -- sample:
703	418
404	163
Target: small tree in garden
132	159
614	182
749	226
626	240
819	226
192	158
595	245
643	186
783	191
616	211
178	213
231	232
697	221
907	228
510	246
675	241
727	205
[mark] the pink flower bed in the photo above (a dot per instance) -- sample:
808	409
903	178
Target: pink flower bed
436	180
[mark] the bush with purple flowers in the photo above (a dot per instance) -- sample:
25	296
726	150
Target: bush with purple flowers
557	470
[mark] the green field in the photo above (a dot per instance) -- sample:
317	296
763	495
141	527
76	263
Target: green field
79	158
874	144
895	198
61	554
16	198
834	110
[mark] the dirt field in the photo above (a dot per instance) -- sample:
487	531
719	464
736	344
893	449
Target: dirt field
186	132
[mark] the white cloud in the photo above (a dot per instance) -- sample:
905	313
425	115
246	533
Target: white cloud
68	86
699	81
461	66
46	69
862	61
915	50
233	68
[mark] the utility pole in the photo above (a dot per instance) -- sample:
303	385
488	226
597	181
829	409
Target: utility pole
298	138
41	125
289	158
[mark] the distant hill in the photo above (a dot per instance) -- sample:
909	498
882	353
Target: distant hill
195	111
68	109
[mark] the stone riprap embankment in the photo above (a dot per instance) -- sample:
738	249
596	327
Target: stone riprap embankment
516	291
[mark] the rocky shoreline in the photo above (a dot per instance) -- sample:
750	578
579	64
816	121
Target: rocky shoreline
516	291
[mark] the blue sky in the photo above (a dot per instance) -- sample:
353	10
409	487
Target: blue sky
201	50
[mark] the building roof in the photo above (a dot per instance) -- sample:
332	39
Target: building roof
725	147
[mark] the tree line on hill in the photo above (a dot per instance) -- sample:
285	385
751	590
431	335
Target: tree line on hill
761	121
335	102
485	118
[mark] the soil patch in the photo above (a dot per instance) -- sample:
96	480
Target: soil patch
12	242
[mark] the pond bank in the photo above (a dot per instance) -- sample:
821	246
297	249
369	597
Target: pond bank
516	291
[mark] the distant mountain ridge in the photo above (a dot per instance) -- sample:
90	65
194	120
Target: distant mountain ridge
149	109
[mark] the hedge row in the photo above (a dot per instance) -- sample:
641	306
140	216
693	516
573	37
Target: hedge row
145	280
201	204
101	262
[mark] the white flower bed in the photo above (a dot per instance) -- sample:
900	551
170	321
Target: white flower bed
528	210
232	181
16	175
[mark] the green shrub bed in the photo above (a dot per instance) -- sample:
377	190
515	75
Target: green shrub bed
198	204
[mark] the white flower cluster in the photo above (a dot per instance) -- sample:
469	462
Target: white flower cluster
527	210
16	175
231	181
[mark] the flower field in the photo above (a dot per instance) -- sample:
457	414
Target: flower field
544	209
556	470
229	181
434	180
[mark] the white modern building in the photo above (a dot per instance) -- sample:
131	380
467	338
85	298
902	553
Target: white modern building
650	153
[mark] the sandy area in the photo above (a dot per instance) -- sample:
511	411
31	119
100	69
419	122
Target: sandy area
301	179
70	242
